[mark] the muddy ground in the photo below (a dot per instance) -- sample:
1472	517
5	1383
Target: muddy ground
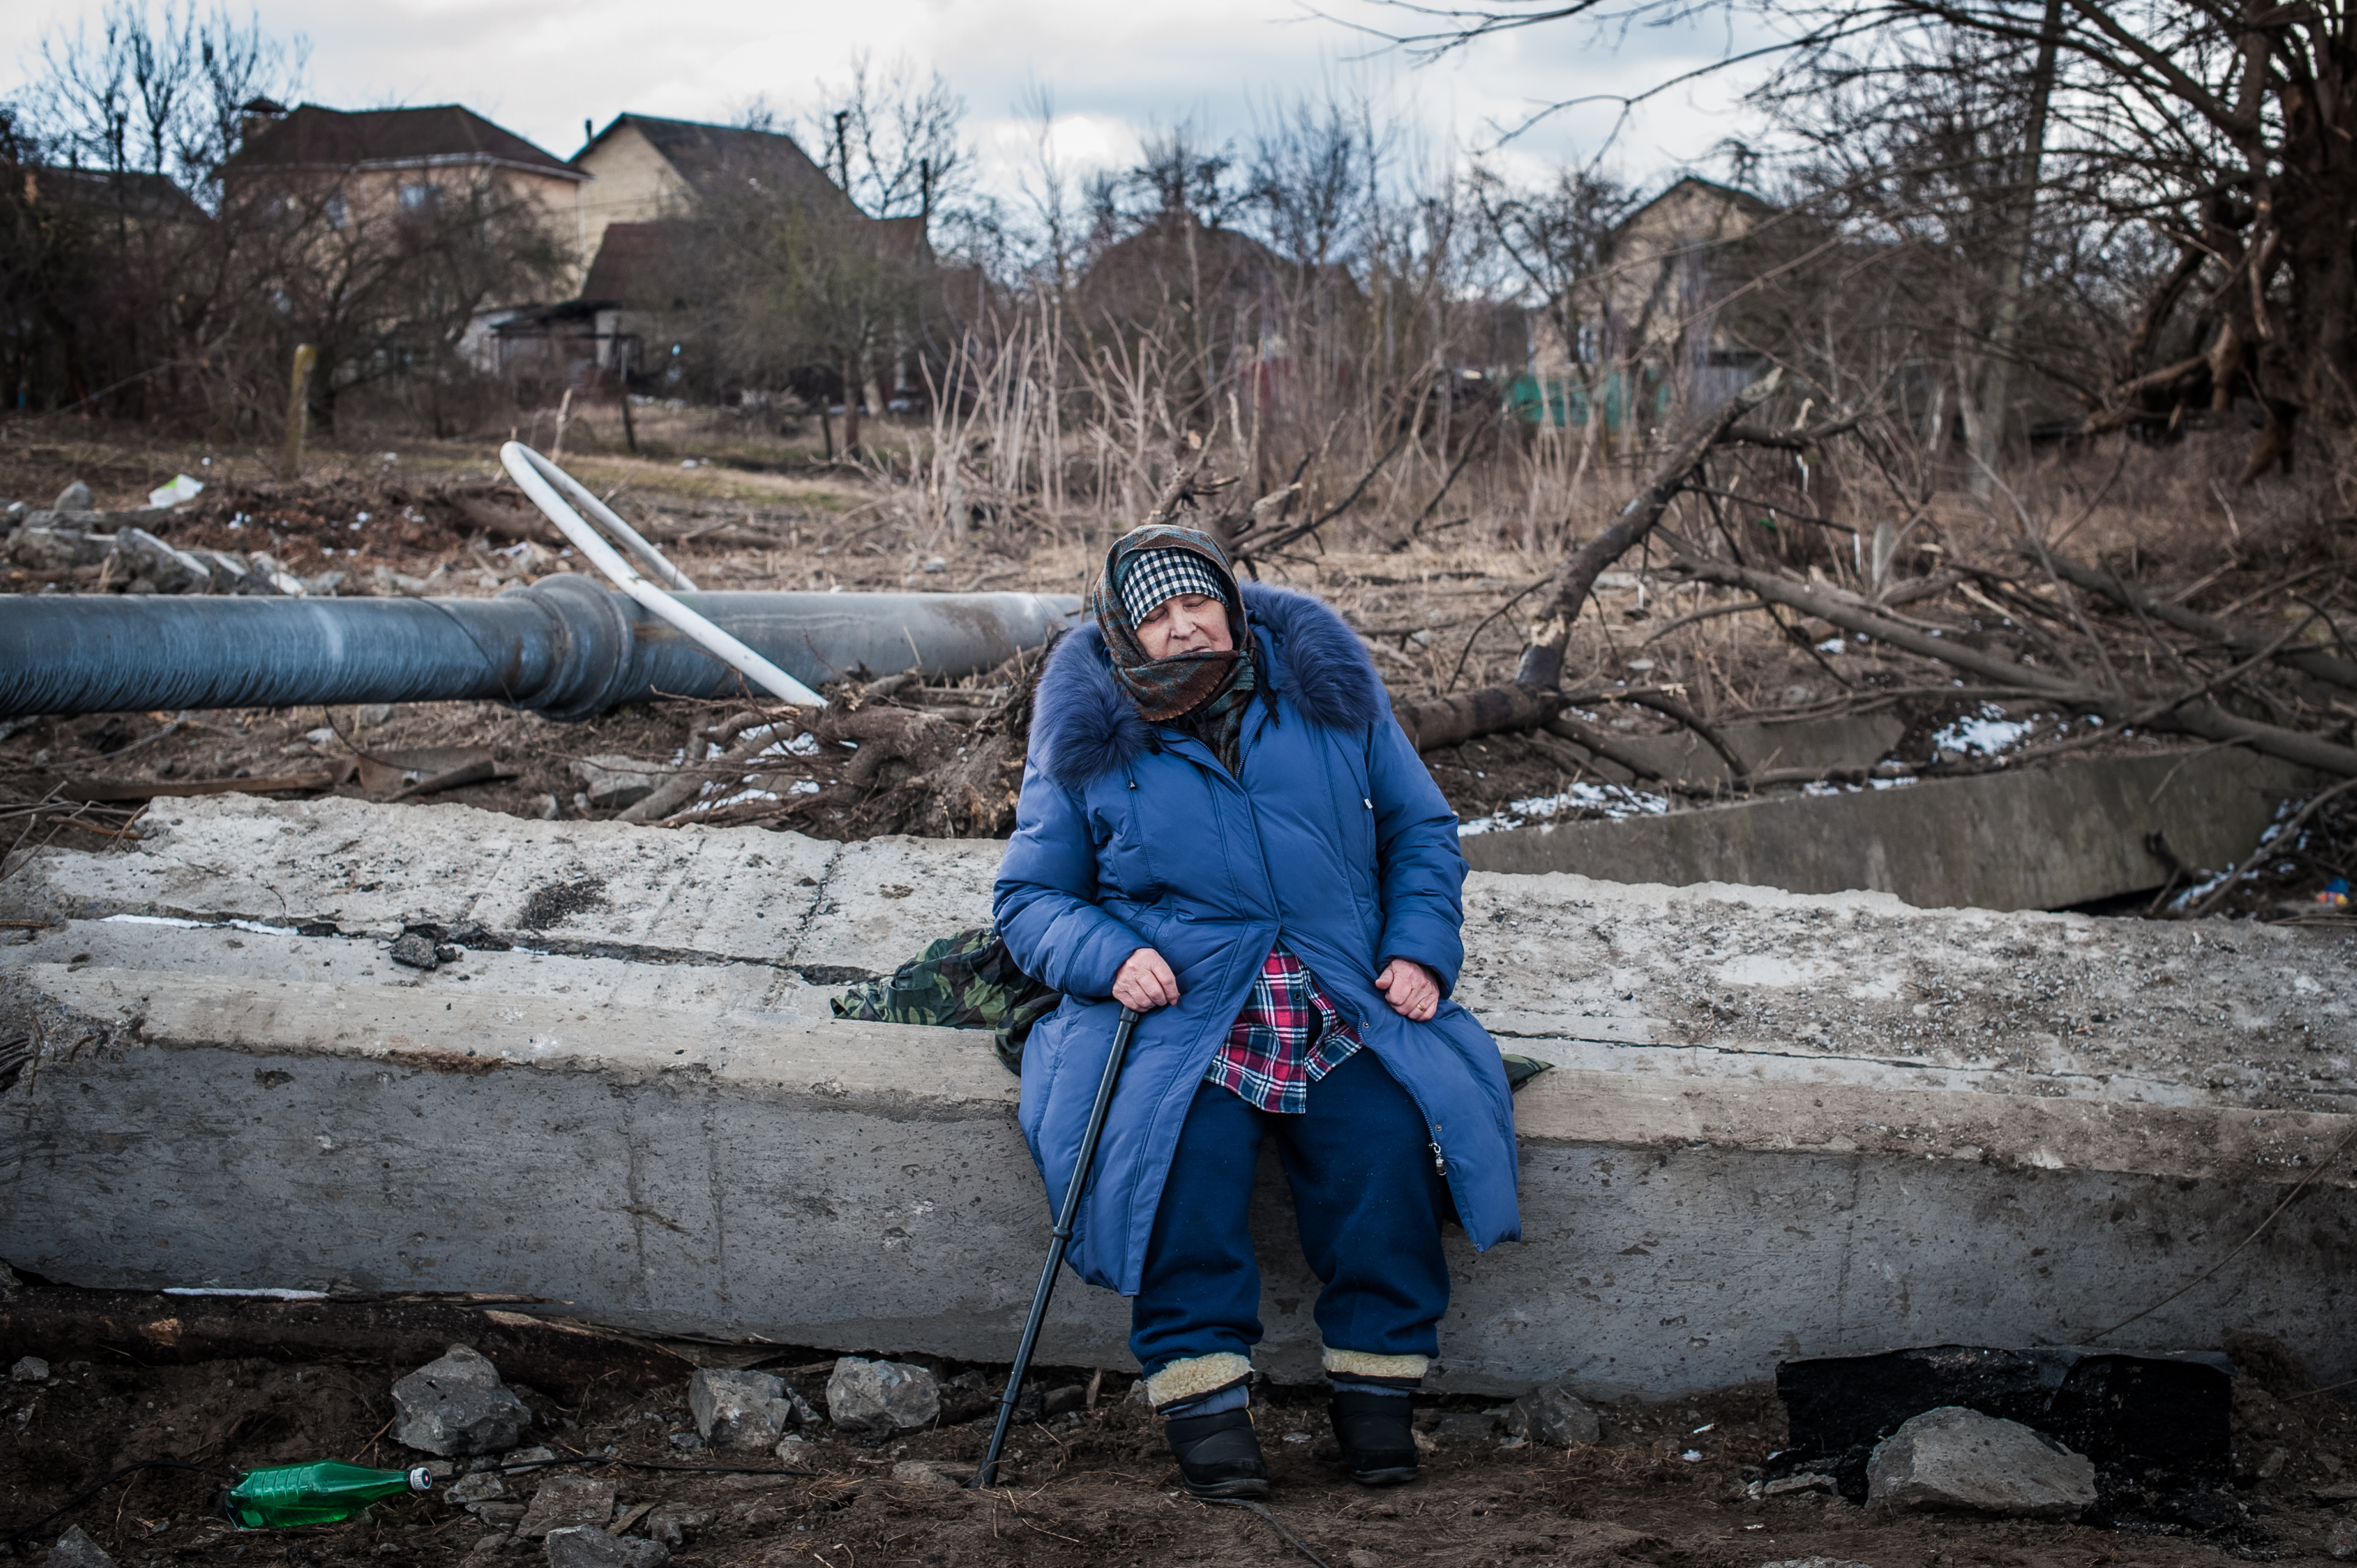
1091	1485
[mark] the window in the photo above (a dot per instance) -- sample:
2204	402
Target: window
336	213
420	198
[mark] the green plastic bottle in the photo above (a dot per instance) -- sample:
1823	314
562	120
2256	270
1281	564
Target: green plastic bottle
286	1495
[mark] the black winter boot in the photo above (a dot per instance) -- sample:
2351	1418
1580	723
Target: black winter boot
1219	1454
1377	1440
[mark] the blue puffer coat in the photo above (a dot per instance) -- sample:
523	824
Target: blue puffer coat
1131	834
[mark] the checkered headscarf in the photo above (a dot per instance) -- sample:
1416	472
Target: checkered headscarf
1151	576
1202	692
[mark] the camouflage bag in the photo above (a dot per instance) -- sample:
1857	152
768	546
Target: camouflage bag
966	981
971	981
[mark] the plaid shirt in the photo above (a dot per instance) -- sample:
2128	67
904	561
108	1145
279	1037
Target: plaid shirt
1287	1037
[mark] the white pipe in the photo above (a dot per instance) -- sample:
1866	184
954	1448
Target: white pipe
534	473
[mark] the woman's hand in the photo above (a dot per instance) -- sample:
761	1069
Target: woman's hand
1408	986
1145	981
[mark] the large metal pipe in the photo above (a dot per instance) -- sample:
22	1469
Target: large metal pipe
564	647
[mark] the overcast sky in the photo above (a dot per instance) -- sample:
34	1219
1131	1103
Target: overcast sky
1114	70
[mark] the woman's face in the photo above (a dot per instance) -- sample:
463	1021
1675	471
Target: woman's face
1188	623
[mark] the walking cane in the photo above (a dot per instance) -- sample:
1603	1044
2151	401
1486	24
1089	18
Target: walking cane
986	1475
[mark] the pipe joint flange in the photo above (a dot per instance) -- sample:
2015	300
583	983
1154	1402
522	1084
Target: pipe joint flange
592	651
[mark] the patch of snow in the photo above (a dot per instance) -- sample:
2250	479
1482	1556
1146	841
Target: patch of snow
1985	734
1607	799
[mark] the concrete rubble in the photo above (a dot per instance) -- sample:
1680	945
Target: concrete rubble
2038	838
881	1396
1777	1124
1957	1458
563	1501
1556	1416
75	1549
458	1405
586	1546
739	1410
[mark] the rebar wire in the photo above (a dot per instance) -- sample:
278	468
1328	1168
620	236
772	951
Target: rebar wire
2207	1273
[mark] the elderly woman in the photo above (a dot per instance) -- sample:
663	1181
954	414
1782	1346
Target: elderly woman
1223	827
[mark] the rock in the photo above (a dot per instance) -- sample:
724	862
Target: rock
232	572
522	1456
413	951
732	1410
40	548
1063	1400
481	1488
77	1550
505	1516
880	1396
687	1441
2342	1540
1952	1457
29	1369
1554	1415
933	1475
2261	1465
139	554
458	1405
586	1546
563	1501
1464	1429
675	1524
1798	1482
792	1450
1360	1557
276	579
75	497
369	715
613	781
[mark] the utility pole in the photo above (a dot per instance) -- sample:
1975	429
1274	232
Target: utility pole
843	148
925	197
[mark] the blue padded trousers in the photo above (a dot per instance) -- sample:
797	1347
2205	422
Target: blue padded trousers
1370	1206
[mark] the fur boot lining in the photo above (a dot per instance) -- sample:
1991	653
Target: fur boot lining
1197	1376
1367	1364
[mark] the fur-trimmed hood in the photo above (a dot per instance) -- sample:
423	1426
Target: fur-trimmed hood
1082	727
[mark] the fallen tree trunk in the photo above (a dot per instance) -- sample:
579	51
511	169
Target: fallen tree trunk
1534	698
2241	640
2193	715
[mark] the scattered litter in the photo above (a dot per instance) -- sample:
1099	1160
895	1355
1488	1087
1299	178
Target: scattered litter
182	488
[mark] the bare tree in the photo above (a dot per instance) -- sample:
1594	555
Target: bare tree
2225	125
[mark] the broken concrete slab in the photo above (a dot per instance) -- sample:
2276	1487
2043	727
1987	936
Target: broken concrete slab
1849	741
2040	838
1915	1114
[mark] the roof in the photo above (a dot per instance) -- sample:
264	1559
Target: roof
446	134
704	156
148	195
1727	195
